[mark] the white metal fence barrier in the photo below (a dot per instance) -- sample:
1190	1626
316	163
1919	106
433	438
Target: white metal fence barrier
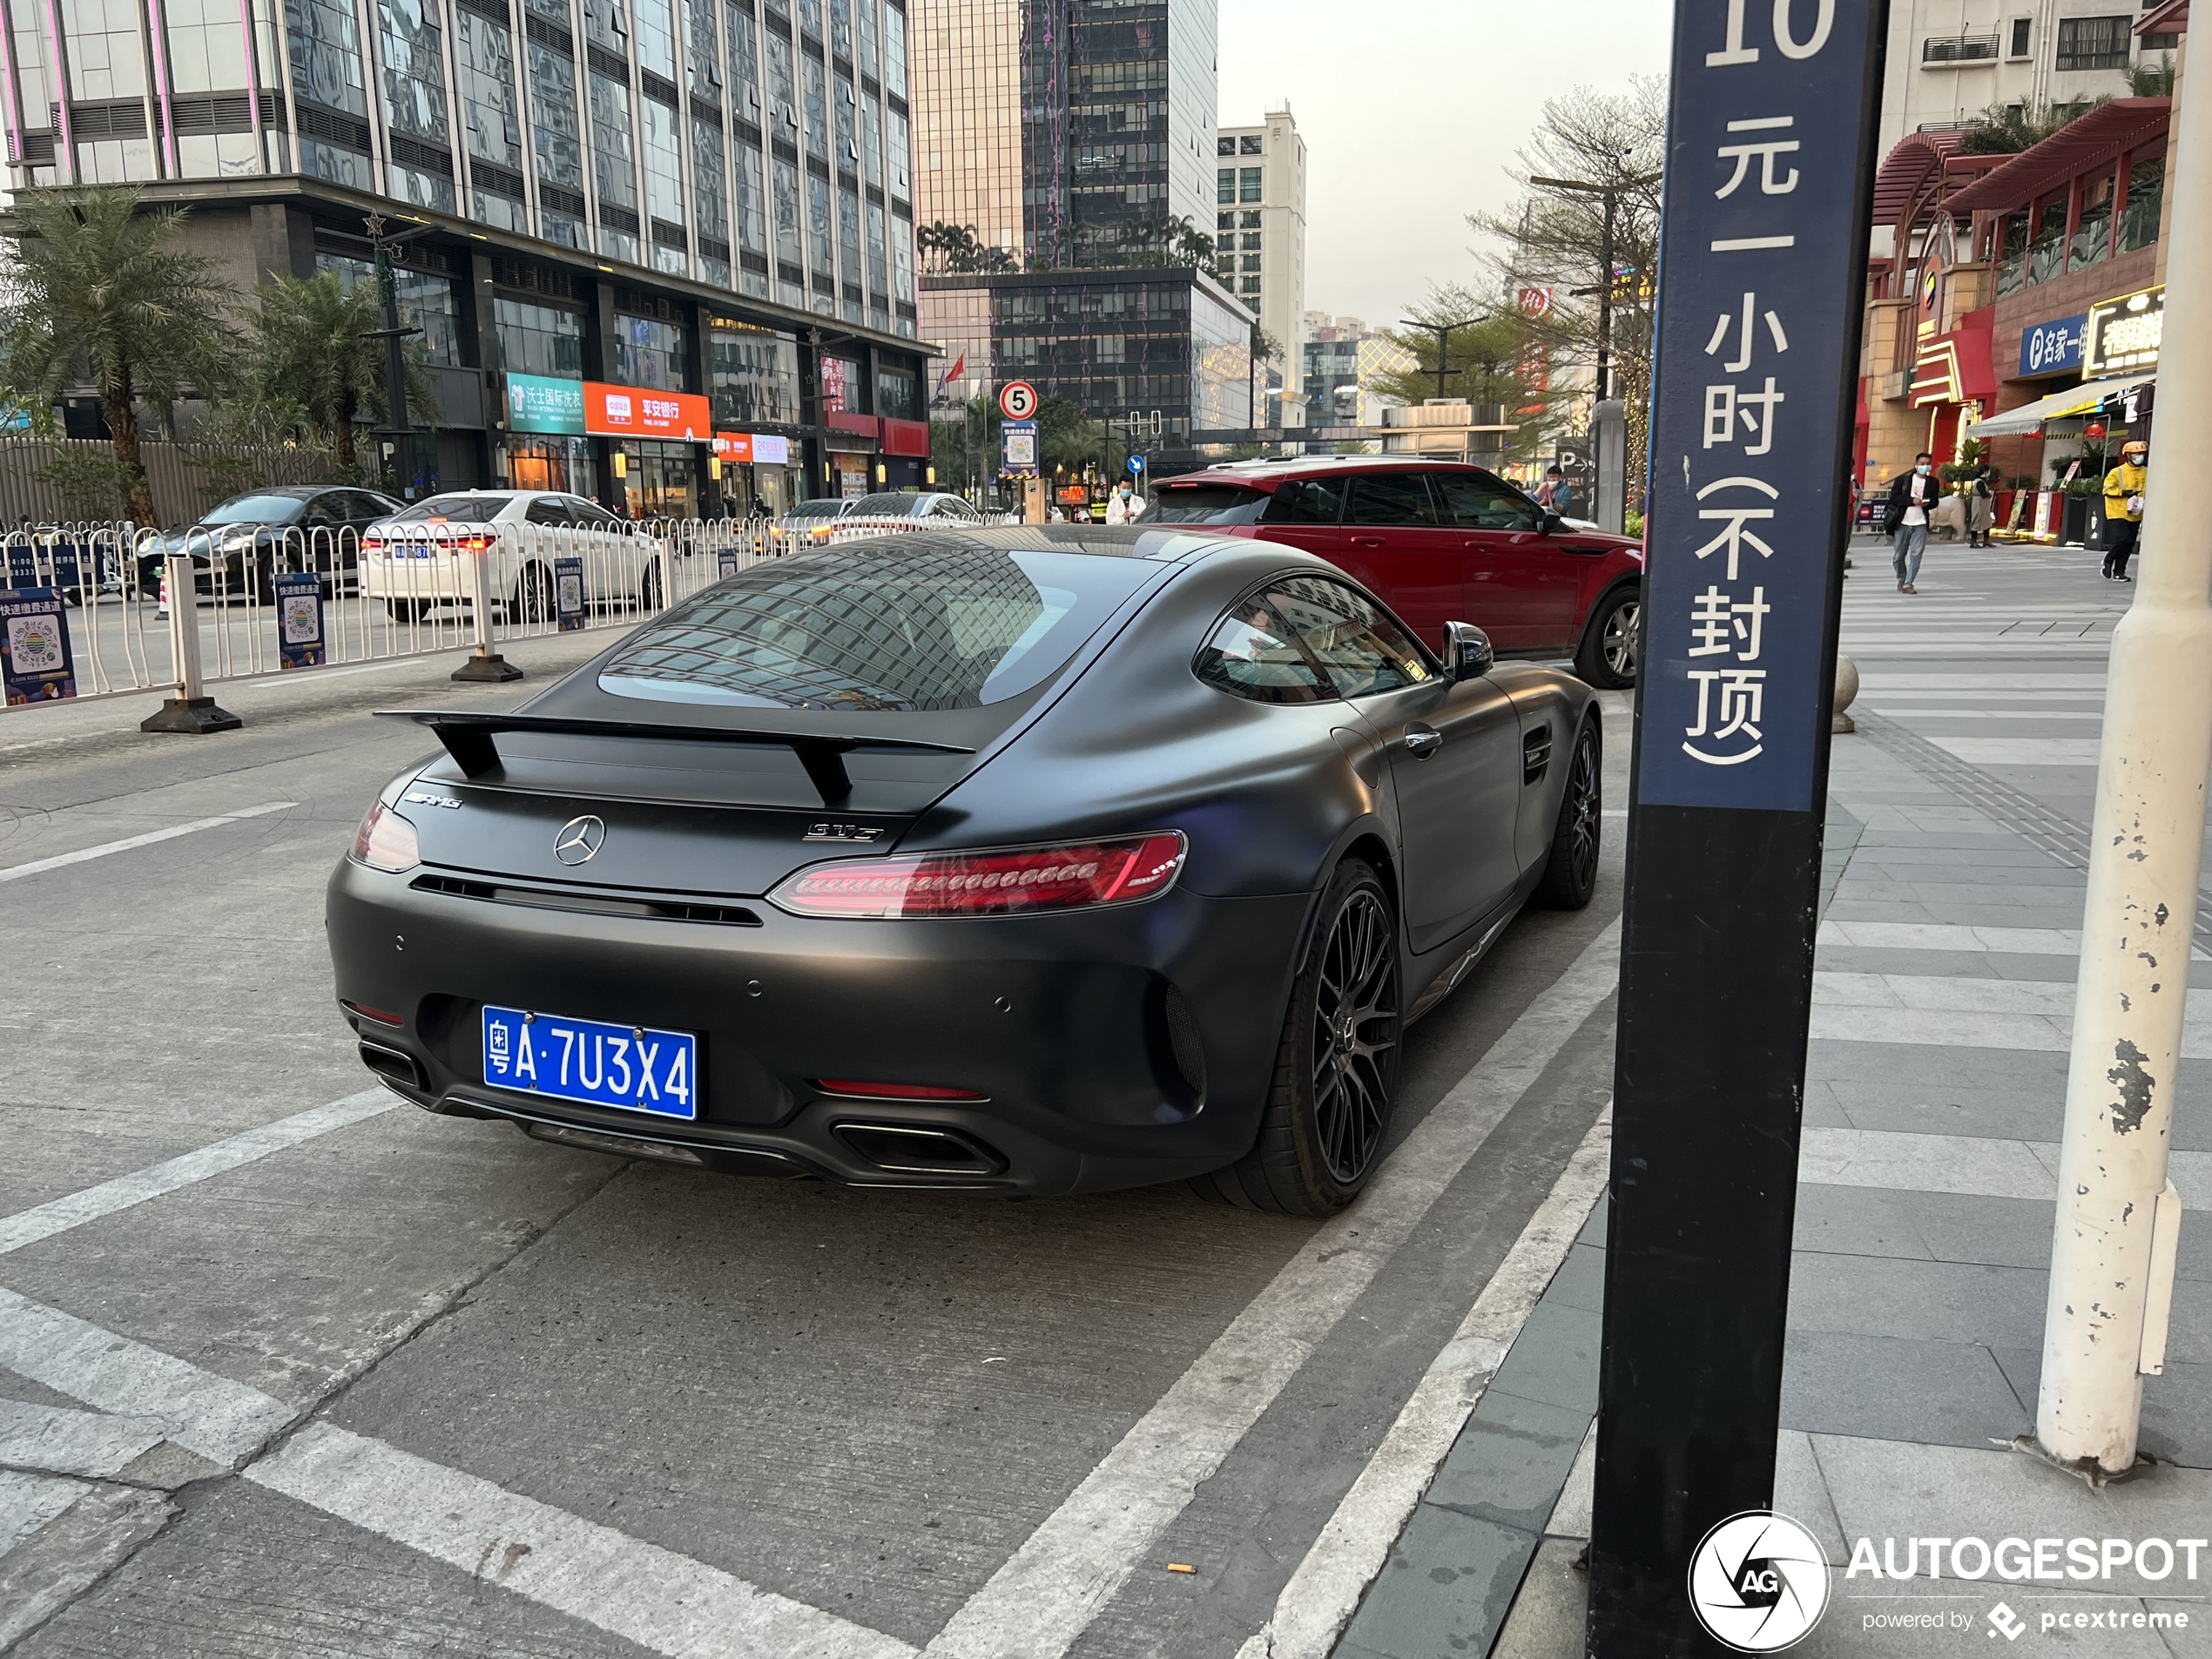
84	609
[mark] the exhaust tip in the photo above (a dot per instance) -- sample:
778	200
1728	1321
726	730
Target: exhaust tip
919	1148
397	1064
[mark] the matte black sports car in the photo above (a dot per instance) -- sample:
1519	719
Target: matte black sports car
1033	860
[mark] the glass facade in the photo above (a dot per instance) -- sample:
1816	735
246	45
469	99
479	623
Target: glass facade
752	375
682	135
425	300
539	340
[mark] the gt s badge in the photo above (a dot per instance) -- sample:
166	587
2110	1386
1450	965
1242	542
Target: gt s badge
423	798
863	833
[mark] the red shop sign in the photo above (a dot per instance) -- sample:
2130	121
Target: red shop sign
645	412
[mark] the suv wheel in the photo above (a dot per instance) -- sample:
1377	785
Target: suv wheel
1613	644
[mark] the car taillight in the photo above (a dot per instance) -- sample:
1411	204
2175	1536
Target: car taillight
370	543
472	543
387	841
990	881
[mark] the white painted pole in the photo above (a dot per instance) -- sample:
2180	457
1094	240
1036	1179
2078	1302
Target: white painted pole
2104	1328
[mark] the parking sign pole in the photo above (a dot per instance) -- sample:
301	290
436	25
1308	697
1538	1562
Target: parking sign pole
1769	178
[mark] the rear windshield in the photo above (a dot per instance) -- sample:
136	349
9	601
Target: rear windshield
897	625
1206	504
452	509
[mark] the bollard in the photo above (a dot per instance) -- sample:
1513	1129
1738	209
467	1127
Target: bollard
1846	694
192	710
484	663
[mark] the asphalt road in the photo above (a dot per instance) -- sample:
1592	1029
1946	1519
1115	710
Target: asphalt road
378	1384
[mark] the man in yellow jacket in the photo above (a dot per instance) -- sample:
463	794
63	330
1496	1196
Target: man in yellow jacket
2124	507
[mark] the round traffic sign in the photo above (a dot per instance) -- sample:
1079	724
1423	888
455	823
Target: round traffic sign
1017	400
1137	463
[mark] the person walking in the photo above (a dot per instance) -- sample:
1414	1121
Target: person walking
2124	487
1981	504
1125	506
1906	519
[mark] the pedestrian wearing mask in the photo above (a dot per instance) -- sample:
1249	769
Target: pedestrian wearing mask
1125	506
1982	505
2124	487
1907	520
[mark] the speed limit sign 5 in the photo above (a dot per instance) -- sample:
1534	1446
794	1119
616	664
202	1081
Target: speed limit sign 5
1017	400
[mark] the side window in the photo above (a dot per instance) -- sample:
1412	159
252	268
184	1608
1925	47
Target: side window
361	507
1390	498
328	507
546	509
1306	501
588	513
1255	654
1358	644
1475	500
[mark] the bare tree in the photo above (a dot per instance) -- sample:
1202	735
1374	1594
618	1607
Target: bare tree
1486	347
1613	144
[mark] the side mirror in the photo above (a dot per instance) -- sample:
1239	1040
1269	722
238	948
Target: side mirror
1553	522
1466	651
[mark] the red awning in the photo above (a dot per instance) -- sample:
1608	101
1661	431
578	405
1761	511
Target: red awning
2169	19
2102	135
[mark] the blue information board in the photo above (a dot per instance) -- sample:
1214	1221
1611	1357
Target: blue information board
36	664
1762	275
567	593
2053	348
300	631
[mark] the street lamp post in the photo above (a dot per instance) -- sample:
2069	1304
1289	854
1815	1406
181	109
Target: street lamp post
398	432
1610	194
1443	333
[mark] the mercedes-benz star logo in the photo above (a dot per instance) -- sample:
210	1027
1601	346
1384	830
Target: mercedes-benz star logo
1758	1582
579	839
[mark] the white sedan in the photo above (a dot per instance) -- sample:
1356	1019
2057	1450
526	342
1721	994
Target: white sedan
423	558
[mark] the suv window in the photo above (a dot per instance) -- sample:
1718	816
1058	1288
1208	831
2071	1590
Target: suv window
362	506
329	508
1475	500
1306	501
1390	498
1206	503
1255	653
1361	648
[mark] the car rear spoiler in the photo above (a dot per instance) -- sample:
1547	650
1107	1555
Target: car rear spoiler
468	738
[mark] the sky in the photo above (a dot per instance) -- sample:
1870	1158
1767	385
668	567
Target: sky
1411	110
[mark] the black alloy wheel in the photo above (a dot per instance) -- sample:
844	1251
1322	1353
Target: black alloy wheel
1570	868
1614	643
1328	1110
532	604
651	594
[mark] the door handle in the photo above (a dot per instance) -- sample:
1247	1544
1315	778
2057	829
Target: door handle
1422	741
1367	541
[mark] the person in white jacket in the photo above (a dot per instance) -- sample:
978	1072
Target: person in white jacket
1125	506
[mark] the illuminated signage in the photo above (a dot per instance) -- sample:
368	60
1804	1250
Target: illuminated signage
2052	347
2123	333
645	412
540	404
734	446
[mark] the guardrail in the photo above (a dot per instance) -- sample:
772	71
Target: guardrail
85	610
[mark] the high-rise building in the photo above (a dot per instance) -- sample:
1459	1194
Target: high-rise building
709	197
1073	139
1259	229
1341	360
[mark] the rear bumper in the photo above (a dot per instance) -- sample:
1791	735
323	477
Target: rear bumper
1114	1048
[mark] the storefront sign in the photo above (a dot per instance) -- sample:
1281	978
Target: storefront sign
35	662
540	404
2052	347
644	411
299	608
770	451
732	448
2124	334
838	375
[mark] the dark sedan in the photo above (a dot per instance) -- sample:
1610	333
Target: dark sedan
284	527
1040	859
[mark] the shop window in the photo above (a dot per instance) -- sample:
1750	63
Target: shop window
2146	189
643	351
898	394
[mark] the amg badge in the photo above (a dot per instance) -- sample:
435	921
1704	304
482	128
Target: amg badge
863	833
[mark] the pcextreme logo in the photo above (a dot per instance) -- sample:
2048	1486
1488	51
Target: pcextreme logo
1758	1582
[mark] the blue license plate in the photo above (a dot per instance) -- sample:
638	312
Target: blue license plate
629	1068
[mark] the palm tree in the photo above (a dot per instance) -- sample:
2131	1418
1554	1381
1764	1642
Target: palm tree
97	293
312	348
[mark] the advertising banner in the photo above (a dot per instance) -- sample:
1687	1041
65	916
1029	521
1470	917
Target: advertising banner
567	593
2052	347
639	412
770	451
540	404
732	447
729	564
1020	440
298	608
2124	334
43	564
35	662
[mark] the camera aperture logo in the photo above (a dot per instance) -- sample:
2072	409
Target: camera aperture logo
1758	1582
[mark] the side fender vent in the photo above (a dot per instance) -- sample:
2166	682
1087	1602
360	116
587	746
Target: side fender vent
1535	755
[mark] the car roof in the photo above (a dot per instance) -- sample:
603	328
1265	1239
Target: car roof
1281	467
1168	544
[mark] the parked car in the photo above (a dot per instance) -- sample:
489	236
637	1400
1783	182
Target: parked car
285	527
1441	543
817	517
1033	859
419	558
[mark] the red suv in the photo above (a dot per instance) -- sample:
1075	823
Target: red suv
1442	542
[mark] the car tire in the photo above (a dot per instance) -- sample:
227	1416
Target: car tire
1329	1103
1613	644
651	589
532	603
1570	864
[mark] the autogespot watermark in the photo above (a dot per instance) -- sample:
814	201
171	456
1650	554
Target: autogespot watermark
1760	1582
